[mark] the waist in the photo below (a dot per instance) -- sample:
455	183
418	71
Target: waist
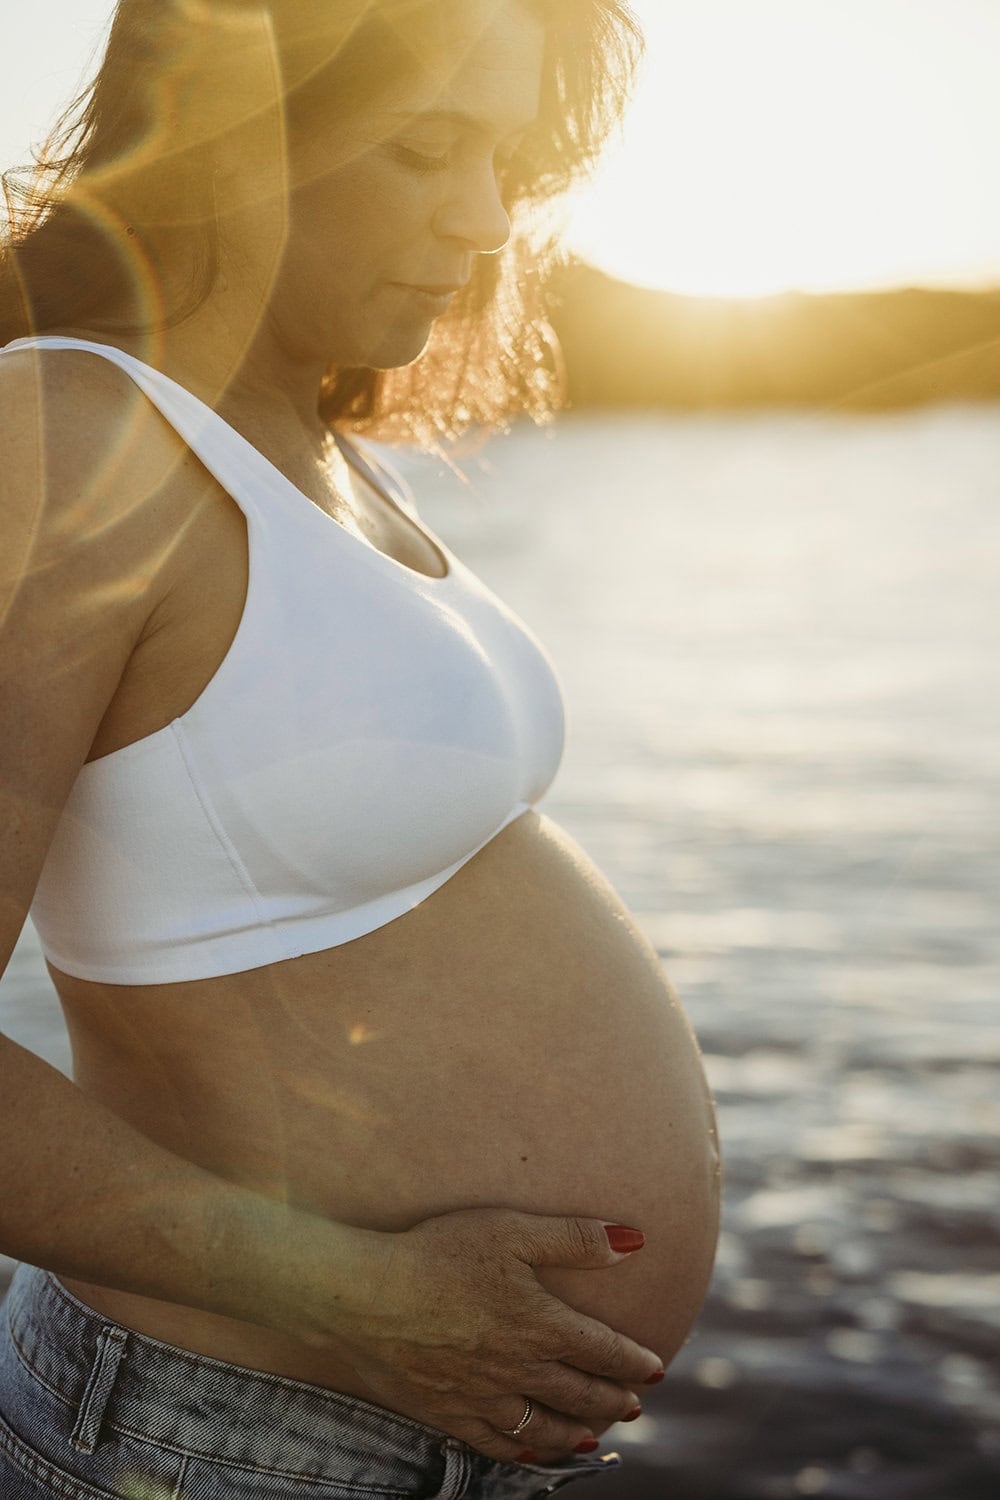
76	1384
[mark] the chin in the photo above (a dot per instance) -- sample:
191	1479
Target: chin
398	351
372	346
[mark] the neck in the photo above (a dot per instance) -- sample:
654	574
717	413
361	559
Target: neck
231	356
229	352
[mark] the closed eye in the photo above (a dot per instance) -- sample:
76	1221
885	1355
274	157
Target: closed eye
421	161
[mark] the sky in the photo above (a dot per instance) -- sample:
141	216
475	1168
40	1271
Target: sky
814	145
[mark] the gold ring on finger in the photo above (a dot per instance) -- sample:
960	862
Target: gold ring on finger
529	1412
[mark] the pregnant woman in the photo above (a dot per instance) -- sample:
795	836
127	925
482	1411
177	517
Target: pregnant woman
388	1167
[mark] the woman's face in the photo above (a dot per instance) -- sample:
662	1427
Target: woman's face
407	196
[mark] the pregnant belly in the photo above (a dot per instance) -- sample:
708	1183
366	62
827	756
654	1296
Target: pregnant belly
512	1042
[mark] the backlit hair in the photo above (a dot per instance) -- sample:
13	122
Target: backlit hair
124	179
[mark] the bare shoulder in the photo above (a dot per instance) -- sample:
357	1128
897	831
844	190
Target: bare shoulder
87	471
88	518
32	379
70	420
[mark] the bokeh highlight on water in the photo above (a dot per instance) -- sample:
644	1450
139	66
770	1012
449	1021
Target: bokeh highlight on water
779	639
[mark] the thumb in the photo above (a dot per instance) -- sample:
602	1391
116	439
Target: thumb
566	1241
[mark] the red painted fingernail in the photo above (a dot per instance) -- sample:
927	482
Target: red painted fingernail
655	1379
527	1457
587	1446
630	1416
624	1240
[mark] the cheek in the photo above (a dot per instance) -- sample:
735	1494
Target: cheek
367	212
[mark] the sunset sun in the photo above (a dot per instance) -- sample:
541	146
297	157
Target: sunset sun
815	146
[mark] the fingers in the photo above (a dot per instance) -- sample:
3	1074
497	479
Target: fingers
484	1334
549	1435
588	1345
588	1244
506	1450
591	1244
583	1409
597	1404
569	1408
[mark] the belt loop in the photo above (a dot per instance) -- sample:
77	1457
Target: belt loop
110	1349
457	1471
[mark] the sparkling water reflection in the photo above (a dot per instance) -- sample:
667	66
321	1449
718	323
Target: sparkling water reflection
779	638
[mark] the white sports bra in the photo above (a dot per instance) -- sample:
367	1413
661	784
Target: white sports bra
369	730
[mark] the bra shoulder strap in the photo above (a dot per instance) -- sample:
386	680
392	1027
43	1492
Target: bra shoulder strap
226	454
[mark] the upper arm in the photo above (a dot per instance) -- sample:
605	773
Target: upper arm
79	568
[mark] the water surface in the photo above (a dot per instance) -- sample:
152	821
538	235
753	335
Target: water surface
779	639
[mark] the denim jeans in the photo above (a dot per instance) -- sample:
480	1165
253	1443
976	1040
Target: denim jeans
93	1411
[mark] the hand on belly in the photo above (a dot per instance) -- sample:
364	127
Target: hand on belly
510	1044
458	1334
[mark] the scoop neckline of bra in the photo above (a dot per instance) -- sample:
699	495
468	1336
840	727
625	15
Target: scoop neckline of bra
357	461
353	457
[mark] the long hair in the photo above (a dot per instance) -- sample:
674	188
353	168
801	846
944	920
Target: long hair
122	180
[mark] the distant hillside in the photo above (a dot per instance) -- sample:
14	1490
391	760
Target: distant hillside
627	346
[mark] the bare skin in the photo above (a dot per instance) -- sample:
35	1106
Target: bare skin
537	1060
513	1041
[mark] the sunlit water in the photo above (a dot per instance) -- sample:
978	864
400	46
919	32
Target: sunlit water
779	638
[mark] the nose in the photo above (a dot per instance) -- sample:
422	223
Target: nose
474	213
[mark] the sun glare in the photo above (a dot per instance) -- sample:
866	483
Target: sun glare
802	144
774	145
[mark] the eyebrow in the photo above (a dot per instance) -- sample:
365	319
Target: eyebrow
466	121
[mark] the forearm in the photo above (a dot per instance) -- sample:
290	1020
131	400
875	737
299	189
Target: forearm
85	1195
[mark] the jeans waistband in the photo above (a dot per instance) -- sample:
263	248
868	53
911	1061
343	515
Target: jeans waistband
112	1378
188	1401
